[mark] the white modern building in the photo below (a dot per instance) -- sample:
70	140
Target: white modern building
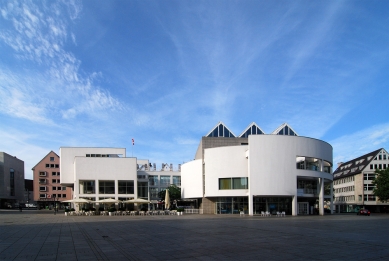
353	188
100	173
257	172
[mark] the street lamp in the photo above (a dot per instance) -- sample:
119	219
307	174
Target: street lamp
54	196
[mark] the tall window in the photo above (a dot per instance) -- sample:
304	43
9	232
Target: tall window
87	187
107	187
233	183
126	187
154	193
165	181
153	180
177	180
12	181
142	189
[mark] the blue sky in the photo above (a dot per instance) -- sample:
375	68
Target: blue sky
99	73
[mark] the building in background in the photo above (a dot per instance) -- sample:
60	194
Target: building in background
48	190
101	173
353	188
11	180
29	193
258	173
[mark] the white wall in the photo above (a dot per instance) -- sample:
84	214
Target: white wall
224	162
272	162
67	155
191	179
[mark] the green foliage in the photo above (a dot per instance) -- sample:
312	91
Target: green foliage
174	193
381	183
112	210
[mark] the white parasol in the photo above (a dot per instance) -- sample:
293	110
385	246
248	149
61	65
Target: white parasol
167	200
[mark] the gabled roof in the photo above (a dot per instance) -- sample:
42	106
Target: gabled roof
252	129
44	158
354	166
285	129
220	130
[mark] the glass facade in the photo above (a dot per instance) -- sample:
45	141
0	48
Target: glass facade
154	193
153	180
87	187
231	205
165	181
143	190
106	187
126	187
273	205
253	130
177	180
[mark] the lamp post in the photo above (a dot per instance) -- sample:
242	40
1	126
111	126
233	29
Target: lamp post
54	196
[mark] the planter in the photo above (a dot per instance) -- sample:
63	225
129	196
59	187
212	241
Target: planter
110	213
66	213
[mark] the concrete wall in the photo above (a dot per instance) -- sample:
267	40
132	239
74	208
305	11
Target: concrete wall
68	154
224	162
8	162
272	162
191	179
115	169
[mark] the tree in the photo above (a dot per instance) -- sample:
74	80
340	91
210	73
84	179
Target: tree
174	193
381	183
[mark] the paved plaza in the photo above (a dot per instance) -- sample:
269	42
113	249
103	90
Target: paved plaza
41	235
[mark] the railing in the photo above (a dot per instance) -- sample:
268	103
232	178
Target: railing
193	211
306	191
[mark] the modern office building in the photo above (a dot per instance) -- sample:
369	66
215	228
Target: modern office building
11	180
353	188
257	172
101	173
48	191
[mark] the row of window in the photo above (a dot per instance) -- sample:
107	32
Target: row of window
345	198
52	196
233	183
52	166
369	176
352	198
98	155
381	157
164	180
309	163
106	187
44	181
344	189
368	186
45	188
44	173
378	166
344	180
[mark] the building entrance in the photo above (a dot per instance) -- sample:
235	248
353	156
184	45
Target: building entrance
303	208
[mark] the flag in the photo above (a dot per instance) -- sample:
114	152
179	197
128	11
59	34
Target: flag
133	142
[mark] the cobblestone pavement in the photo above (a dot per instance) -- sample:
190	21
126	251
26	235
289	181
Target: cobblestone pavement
41	235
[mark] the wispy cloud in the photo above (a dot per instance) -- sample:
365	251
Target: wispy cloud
356	144
39	33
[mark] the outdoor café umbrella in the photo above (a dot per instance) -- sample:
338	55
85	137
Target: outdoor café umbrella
137	200
167	200
77	200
